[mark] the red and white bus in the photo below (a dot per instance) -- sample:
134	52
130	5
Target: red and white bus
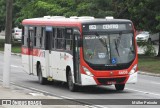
81	51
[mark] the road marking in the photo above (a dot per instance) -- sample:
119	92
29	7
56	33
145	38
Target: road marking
16	66
154	82
95	106
143	92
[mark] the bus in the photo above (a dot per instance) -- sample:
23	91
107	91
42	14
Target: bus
82	51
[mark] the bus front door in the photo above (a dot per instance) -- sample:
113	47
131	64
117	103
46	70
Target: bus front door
30	46
76	57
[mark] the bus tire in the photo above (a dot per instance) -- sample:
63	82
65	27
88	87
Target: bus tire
119	87
71	85
41	79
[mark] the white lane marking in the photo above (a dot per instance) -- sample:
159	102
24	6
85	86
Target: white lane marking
95	106
154	82
66	97
145	92
16	66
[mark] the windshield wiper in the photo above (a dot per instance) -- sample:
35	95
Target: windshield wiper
101	40
116	47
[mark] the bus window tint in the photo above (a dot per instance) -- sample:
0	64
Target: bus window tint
53	37
38	37
25	35
35	29
68	39
60	38
42	37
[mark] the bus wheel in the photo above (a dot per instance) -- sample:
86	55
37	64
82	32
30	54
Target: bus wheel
119	87
41	79
71	85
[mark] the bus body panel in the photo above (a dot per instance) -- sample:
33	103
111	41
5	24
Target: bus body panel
38	56
25	63
58	64
132	78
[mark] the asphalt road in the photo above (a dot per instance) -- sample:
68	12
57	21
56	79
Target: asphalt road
148	87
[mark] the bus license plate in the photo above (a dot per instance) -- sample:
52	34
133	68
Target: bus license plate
111	82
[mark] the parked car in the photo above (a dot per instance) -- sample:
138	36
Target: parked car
17	34
154	38
143	36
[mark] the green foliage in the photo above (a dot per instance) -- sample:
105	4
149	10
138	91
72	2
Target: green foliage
2	15
149	64
149	50
144	13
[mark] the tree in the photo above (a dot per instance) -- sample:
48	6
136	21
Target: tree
2	14
144	13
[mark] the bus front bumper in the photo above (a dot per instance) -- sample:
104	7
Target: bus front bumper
90	80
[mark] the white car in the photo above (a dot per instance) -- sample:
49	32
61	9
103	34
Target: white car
143	36
17	34
154	37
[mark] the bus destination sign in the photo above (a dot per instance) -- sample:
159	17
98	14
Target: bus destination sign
107	27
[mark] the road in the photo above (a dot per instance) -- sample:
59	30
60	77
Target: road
148	87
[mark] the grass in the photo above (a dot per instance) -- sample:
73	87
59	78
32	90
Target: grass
16	46
149	64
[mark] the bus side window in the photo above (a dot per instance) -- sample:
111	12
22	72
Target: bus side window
53	37
48	37
22	35
25	35
60	38
35	32
42	39
68	39
38	37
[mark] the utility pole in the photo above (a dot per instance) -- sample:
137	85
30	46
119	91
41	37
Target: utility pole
7	47
159	47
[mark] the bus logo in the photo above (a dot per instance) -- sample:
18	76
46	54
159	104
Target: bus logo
92	27
111	73
114	60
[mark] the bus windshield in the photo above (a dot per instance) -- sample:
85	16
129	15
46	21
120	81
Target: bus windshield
108	49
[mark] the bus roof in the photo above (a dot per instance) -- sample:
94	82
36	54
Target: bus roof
72	21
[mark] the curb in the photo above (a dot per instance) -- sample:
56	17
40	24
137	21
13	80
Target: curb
17	54
149	74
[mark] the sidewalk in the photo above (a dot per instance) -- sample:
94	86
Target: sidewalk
15	92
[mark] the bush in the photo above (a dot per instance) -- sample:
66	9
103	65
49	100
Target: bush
149	50
2	43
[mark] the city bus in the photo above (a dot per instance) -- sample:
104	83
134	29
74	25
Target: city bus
82	51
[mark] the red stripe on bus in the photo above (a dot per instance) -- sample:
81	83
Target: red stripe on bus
28	51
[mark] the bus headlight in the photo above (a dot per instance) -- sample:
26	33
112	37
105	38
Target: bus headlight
133	69
87	71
